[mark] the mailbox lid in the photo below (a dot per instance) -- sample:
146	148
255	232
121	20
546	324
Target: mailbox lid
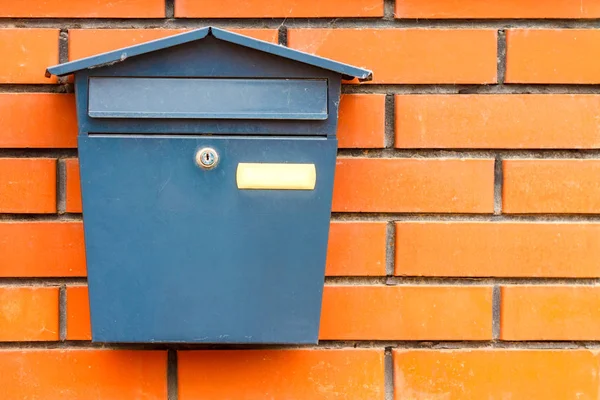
176	253
121	55
208	98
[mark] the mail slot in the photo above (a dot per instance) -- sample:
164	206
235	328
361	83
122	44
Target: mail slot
208	98
207	163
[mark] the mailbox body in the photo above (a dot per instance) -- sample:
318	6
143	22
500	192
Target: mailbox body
176	253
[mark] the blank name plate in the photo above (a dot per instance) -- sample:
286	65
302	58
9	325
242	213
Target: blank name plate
276	176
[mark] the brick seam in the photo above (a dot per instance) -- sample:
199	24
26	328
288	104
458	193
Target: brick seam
172	375
61	186
169	9
282	35
62	312
63	52
323	345
425	153
390	248
411	280
392	88
389	121
60	88
498	182
496	309
470	153
296	22
463	217
389	10
501	54
383	281
39	153
445	88
388	374
373	217
42	282
66	217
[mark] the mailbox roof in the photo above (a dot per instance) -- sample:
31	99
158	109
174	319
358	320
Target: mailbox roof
112	57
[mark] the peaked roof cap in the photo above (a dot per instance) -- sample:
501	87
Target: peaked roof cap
112	57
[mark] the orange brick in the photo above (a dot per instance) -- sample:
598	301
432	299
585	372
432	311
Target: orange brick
73	186
361	121
83	9
495	374
442	9
271	9
551	186
89	42
28	314
414	185
38	120
406	313
550	312
356	248
281	374
74	374
526	121
78	313
407	55
28	185
552	56
38	249
505	249
26	53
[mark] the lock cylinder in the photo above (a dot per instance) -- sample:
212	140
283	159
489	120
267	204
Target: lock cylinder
207	158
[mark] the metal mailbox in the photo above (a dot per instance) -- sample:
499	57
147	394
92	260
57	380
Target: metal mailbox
206	162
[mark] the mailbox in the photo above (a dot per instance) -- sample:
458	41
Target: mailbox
207	161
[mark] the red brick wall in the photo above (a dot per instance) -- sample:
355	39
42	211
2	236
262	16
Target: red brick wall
464	254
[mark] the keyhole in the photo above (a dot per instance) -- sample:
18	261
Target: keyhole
207	158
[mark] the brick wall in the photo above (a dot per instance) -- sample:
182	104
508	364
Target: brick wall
465	241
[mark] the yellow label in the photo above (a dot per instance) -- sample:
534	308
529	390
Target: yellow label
276	176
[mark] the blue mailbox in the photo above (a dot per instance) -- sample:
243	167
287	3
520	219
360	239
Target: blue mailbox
206	162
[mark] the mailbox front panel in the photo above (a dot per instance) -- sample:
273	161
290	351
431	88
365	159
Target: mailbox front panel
181	253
